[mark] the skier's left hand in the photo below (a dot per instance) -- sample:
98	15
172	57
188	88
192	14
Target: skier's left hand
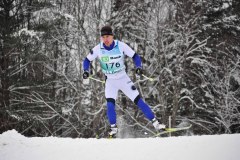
139	71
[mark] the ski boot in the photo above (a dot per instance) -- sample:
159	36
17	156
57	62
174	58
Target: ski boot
159	127
113	131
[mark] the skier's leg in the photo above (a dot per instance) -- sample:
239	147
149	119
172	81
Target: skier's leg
144	108
131	91
111	113
111	95
128	88
148	113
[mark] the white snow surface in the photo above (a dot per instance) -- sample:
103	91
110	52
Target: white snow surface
14	146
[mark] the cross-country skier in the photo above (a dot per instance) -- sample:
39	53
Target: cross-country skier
111	54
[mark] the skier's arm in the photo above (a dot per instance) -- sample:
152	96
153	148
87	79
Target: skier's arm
86	63
131	53
138	63
137	60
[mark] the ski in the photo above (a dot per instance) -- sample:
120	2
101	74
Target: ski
170	130
112	137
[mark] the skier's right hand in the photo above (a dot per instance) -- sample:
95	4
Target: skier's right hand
85	75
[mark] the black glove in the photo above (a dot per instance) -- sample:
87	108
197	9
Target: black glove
85	75
139	71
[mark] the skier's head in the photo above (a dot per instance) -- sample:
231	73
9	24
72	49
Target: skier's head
106	30
107	35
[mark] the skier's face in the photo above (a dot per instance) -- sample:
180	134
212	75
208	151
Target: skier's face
107	40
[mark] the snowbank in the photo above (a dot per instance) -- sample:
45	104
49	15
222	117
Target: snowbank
14	146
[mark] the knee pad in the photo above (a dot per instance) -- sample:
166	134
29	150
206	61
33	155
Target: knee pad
111	100
137	99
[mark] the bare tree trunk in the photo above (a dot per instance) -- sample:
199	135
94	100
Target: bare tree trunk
6	50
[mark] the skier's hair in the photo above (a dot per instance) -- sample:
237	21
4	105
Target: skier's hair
106	30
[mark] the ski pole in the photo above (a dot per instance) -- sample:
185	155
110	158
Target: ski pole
96	79
150	79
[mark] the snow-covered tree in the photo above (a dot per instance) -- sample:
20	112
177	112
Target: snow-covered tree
190	48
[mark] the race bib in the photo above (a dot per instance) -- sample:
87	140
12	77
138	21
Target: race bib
112	61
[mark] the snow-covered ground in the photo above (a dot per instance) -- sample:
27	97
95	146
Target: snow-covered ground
14	146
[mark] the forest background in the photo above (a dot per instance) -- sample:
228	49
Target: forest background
191	49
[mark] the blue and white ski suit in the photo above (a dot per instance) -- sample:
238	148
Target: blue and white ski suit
112	64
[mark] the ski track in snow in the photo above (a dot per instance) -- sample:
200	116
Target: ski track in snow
14	146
